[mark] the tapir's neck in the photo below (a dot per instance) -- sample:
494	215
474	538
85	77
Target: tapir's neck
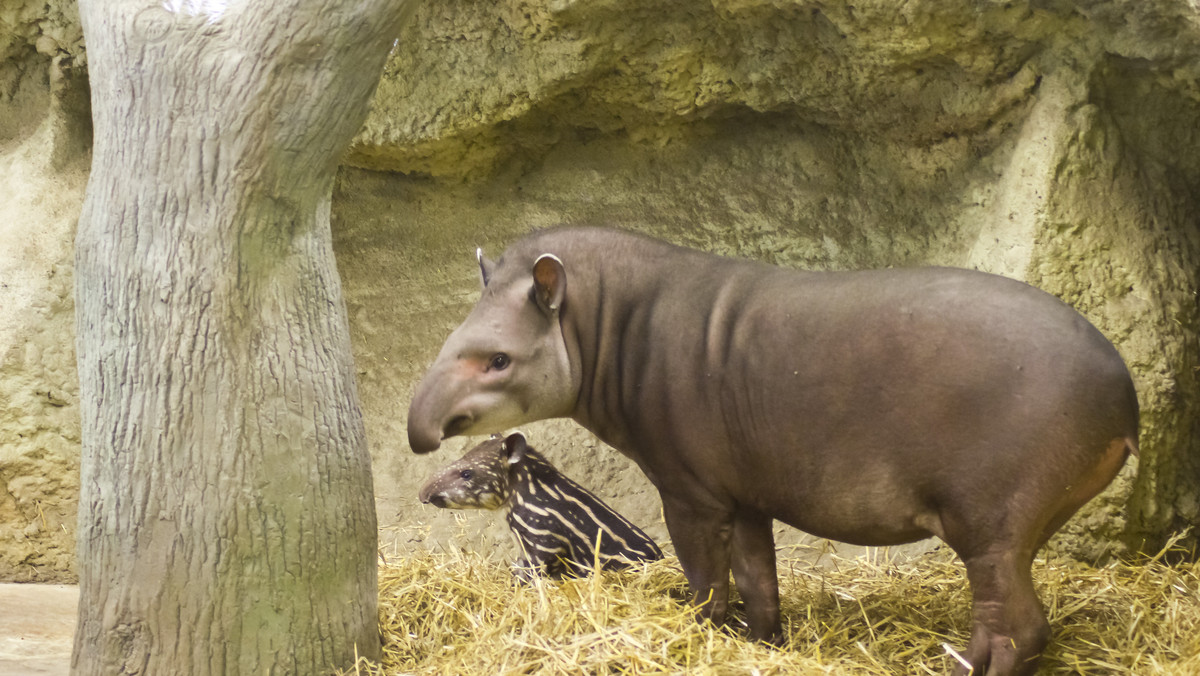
525	476
640	318
594	343
614	282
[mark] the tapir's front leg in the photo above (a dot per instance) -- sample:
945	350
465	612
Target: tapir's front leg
702	538
755	575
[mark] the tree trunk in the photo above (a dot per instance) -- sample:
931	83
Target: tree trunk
227	521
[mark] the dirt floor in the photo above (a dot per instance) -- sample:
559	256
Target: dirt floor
37	622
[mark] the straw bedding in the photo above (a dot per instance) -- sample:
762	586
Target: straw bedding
456	612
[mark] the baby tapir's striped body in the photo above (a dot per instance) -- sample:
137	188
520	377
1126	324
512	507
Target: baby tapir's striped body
561	527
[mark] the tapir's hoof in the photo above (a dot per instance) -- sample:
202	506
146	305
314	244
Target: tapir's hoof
768	634
775	640
998	655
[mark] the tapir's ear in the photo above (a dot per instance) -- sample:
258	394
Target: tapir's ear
514	447
549	282
485	266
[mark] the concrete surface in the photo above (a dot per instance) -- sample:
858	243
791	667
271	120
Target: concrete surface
37	622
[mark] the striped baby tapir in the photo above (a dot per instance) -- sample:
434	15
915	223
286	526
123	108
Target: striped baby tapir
561	528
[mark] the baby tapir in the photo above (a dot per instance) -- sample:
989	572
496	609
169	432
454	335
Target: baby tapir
873	407
561	528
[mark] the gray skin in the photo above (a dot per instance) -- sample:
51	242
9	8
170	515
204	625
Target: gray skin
874	407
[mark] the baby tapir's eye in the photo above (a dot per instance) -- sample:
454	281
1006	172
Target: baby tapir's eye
499	362
465	474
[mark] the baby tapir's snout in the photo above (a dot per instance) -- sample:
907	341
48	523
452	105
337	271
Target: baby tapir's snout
435	499
478	480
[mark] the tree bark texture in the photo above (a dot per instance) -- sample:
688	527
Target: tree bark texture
227	521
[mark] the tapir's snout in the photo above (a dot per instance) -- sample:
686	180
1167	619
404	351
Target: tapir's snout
430	494
424	435
425	431
430	498
438	411
423	446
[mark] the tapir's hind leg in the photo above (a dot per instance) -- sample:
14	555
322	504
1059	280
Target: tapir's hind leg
1009	627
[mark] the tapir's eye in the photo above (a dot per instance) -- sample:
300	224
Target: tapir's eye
499	362
465	474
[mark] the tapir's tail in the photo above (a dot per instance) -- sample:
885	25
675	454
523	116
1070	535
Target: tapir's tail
1131	446
1131	436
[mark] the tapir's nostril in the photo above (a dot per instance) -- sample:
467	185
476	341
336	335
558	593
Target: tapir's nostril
456	426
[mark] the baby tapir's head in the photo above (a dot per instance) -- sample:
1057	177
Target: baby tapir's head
481	479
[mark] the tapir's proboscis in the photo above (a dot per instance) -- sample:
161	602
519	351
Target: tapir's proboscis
873	407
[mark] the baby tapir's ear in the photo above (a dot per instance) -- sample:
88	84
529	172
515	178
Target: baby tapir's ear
514	447
485	266
549	282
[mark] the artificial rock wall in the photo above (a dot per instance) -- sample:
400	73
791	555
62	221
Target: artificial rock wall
1055	142
45	134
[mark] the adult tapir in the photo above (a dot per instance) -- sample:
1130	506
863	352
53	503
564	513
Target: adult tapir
875	407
